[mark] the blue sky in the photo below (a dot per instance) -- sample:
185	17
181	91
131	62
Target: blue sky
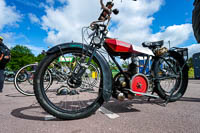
42	23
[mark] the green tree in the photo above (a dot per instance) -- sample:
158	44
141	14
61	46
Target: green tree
20	56
39	57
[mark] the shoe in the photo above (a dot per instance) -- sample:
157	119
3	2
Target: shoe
1	91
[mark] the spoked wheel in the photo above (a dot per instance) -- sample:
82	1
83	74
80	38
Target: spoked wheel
81	97
171	77
24	80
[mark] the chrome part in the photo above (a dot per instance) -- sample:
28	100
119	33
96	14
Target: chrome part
121	97
161	51
97	40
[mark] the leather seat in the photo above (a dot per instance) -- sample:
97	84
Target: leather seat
153	45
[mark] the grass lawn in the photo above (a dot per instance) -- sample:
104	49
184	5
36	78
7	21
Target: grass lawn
191	73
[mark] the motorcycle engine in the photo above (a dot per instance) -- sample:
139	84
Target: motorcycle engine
132	68
120	85
128	83
138	82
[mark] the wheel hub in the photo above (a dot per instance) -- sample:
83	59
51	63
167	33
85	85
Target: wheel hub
139	83
74	83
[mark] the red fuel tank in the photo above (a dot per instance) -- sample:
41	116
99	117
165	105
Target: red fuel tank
118	46
123	47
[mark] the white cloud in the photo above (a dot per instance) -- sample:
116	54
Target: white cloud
9	15
35	49
64	24
192	49
135	19
133	22
34	18
13	38
176	34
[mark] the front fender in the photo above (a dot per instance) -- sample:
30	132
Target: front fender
107	75
64	46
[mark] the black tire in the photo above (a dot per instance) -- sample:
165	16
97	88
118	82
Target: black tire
196	20
23	82
67	108
162	69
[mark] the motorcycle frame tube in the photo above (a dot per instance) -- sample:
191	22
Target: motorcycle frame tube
107	75
120	69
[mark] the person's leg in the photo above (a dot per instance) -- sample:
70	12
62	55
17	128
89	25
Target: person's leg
1	80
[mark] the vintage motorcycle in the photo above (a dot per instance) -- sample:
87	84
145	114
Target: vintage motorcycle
167	76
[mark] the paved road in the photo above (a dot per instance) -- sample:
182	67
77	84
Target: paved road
21	114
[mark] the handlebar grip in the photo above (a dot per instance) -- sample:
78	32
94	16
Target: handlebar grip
115	11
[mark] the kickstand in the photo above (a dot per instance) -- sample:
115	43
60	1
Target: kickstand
170	96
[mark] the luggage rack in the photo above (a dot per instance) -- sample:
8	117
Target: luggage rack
182	51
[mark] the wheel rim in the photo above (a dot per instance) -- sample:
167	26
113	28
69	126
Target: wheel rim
78	99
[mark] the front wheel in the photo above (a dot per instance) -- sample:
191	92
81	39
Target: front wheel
171	76
75	100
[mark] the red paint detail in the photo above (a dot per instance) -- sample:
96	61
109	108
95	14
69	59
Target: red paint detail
118	46
139	84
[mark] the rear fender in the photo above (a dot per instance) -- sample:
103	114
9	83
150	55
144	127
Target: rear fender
183	63
107	75
181	59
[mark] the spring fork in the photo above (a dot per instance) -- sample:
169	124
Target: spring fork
82	69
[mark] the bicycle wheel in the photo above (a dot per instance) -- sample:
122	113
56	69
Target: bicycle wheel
9	77
78	102
23	80
172	77
90	77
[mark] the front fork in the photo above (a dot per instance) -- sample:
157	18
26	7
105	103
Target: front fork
81	67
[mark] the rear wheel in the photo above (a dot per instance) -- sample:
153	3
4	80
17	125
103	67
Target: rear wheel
77	101
171	77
